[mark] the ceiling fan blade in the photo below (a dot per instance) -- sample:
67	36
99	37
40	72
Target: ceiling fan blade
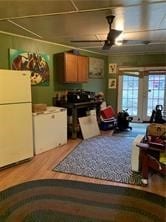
125	41
108	44
113	34
106	47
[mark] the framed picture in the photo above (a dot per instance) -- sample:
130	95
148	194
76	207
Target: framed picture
35	62
96	68
112	68
112	83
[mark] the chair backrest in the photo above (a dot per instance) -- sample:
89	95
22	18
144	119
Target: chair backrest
155	129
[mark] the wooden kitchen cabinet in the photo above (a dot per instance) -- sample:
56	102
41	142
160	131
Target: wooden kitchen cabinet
72	68
82	68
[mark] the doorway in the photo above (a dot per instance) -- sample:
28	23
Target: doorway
140	94
154	93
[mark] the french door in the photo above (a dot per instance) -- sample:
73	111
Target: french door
154	93
140	95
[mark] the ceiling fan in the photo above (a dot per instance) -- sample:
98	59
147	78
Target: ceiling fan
111	36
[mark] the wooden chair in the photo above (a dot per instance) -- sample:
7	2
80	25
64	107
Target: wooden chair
152	148
150	159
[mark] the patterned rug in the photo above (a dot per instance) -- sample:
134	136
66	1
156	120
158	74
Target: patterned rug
137	128
102	157
70	201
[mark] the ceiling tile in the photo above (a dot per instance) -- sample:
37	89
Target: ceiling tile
15	8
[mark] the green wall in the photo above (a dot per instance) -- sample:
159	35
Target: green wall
139	60
44	94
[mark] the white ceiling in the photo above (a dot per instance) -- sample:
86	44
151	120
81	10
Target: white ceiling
60	21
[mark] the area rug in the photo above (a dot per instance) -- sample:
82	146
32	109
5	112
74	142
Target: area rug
53	200
102	157
137	129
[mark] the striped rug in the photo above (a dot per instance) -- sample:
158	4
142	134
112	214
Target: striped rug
53	200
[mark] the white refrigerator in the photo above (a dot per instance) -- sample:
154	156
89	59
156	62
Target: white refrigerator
16	136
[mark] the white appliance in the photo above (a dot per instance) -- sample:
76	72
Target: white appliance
50	129
16	136
135	153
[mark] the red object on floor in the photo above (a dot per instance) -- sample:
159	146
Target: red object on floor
107	113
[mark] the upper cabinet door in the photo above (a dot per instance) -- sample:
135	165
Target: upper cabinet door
70	68
82	68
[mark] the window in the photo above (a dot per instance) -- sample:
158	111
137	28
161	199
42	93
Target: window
130	94
156	91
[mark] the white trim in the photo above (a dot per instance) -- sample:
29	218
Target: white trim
134	69
120	85
159	68
139	69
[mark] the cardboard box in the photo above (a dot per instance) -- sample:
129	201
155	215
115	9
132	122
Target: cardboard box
38	108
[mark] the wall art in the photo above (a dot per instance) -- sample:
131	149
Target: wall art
112	68
96	68
37	63
112	83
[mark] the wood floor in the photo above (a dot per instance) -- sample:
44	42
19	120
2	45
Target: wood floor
40	167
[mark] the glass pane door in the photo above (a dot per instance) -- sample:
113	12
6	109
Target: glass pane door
156	92
129	93
140	95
